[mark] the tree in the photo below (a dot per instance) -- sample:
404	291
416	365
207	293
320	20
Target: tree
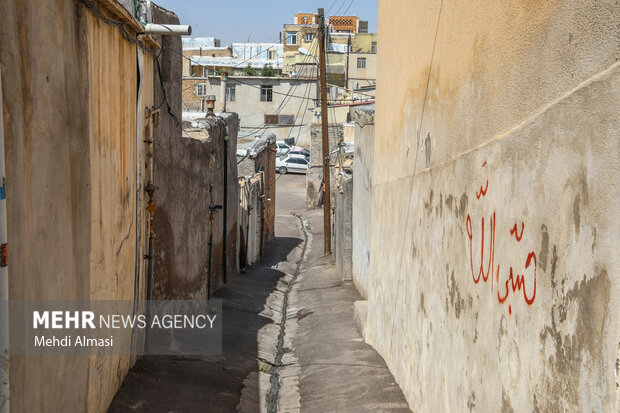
268	71
250	71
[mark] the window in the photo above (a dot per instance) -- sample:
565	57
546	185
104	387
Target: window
361	63
230	93
279	120
373	48
309	37
200	89
266	93
271	120
271	54
291	38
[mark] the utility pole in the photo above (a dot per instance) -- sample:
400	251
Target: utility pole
325	138
346	73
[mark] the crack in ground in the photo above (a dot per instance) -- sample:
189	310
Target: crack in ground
275	371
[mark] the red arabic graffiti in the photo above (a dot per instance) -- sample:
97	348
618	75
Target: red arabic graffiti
519	284
483	191
487	270
513	231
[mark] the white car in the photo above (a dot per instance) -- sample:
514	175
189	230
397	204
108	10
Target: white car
282	148
292	163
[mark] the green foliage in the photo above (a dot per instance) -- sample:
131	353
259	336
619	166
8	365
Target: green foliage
268	71
250	71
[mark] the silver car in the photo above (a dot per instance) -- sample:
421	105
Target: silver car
292	163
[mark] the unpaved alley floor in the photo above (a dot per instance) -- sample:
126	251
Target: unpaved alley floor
289	341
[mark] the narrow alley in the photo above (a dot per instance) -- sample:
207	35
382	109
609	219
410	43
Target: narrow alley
322	364
339	206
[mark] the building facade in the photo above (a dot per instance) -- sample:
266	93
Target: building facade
278	105
345	34
203	58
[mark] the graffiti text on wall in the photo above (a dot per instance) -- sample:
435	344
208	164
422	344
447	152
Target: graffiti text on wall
517	279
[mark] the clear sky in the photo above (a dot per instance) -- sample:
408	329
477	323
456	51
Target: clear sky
260	21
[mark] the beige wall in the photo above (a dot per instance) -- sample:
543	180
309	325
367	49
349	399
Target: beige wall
364	119
362	42
523	96
112	114
70	122
362	77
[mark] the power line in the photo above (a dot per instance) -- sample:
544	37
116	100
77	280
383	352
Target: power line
339	8
231	78
332	6
345	12
118	24
283	103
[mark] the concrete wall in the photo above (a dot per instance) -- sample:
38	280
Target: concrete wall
514	139
362	42
342	242
362	77
250	223
72	146
263	161
266	162
364	118
290	97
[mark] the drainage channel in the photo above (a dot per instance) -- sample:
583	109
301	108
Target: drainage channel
275	371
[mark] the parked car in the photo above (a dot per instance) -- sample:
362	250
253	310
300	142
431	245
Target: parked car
303	152
292	163
282	148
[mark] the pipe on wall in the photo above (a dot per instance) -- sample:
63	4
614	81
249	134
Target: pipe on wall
225	207
4	278
168	29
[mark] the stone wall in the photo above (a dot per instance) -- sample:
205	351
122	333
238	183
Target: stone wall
494	265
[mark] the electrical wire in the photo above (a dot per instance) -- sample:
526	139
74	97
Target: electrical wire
332	6
284	102
115	23
230	78
134	40
340	8
163	92
345	12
